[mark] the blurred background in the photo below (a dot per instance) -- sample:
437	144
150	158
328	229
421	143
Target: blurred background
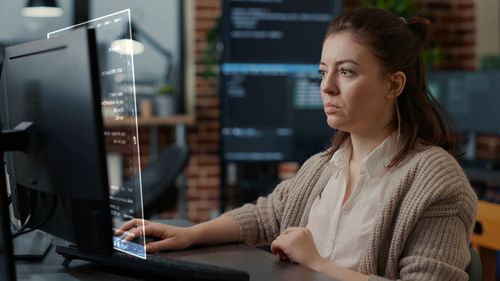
236	83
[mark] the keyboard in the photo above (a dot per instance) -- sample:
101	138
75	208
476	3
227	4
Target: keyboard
156	267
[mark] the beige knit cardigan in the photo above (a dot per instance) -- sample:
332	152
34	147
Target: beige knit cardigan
422	231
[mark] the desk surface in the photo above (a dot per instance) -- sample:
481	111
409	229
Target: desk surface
260	265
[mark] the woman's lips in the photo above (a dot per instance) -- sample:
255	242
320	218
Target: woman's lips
330	108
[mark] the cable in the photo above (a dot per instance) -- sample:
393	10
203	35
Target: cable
24	229
32	201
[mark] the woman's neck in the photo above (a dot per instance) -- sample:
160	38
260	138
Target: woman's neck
363	145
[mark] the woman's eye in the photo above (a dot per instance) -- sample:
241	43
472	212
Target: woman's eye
345	72
322	73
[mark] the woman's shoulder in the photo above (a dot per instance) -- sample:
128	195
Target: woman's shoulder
431	155
435	164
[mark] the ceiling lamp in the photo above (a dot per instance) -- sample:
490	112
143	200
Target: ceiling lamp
42	9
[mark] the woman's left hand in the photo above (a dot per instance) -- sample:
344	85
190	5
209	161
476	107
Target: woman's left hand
297	244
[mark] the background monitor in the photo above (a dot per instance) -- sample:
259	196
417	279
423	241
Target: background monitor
270	95
55	84
470	97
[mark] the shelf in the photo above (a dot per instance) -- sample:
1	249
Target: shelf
152	121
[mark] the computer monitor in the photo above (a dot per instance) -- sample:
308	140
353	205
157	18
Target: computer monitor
271	107
54	84
470	98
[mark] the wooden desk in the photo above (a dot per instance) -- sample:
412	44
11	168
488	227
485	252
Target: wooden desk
260	265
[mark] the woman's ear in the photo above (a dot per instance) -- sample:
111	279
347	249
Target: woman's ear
397	82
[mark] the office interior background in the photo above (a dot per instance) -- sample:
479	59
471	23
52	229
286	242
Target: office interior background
185	39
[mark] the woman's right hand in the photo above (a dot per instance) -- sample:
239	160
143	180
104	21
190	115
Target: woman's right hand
170	237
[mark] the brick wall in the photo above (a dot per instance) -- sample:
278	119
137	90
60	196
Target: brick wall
203	172
453	29
453	25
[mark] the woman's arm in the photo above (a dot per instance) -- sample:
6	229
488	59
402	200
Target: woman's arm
223	229
257	223
220	230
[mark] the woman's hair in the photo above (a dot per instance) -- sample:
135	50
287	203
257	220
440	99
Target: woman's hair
397	44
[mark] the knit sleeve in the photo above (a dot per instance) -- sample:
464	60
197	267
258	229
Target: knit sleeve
260	222
437	246
438	251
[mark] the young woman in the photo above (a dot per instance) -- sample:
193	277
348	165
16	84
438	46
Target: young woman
387	200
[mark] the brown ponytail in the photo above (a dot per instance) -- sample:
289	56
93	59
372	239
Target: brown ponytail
421	27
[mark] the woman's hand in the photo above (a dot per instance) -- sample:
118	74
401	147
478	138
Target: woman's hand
297	245
170	237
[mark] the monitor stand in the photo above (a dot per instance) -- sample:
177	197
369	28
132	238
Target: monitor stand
33	245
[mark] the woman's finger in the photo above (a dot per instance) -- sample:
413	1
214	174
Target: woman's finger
128	225
133	234
151	229
138	232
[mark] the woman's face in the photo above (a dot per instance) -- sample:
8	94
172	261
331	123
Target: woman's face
356	96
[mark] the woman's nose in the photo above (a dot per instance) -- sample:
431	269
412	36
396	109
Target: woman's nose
329	85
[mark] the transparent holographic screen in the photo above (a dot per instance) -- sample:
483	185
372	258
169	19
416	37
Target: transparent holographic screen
118	100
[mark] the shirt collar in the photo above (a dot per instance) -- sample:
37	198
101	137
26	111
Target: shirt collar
378	159
341	157
381	156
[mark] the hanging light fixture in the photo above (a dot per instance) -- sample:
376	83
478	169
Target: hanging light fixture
42	9
126	46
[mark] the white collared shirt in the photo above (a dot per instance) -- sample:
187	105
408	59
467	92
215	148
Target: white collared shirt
341	232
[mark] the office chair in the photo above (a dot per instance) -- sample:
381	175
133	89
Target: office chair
158	178
474	268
